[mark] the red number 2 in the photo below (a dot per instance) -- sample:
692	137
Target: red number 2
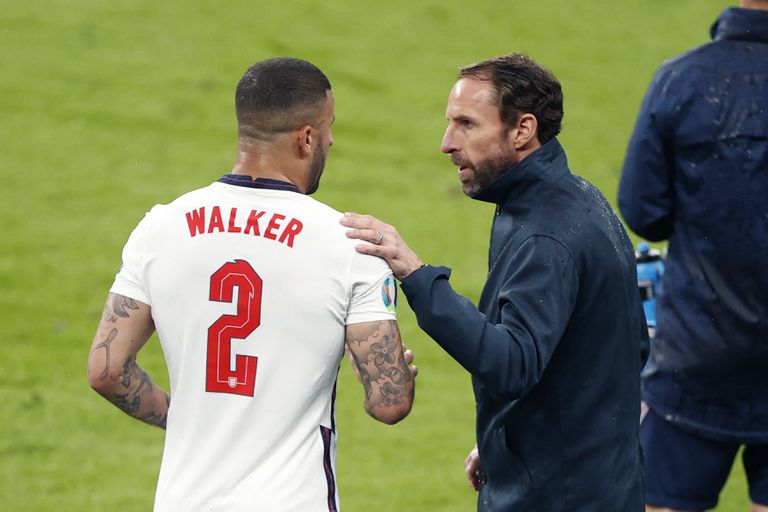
220	378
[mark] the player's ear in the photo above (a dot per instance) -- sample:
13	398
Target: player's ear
525	131
304	138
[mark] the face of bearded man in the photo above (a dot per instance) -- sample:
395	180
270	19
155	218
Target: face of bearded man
477	140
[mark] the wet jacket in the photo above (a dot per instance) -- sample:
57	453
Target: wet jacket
555	347
696	174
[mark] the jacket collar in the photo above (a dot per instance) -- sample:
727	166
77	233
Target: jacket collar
739	24
545	165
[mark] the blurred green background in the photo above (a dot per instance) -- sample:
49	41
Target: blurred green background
108	107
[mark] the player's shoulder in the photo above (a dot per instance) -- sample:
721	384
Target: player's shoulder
182	202
319	208
322	215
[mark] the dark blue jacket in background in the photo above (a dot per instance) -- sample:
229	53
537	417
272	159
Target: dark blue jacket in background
555	347
696	173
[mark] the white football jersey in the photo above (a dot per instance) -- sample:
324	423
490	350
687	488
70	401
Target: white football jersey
251	284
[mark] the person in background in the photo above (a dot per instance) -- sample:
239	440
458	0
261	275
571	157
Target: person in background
556	345
696	174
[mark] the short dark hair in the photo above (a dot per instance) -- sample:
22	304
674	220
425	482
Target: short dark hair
279	95
523	86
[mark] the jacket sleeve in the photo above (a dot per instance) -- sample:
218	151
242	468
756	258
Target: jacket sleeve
535	303
646	195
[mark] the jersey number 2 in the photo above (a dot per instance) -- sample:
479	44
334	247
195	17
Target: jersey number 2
219	377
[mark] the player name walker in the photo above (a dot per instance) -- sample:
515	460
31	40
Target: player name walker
274	226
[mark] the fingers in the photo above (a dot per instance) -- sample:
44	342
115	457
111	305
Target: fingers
408	354
472	477
364	227
643	410
371	235
357	221
471	467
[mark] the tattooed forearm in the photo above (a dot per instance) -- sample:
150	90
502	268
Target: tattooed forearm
159	420
125	403
365	377
139	389
378	355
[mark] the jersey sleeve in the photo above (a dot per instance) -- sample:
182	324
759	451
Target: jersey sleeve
373	290
129	280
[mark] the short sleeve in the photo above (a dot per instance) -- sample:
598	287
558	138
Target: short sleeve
373	290
129	280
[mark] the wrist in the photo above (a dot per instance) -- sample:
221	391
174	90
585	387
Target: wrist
413	269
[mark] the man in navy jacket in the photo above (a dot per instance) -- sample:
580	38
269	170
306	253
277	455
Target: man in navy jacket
696	174
555	346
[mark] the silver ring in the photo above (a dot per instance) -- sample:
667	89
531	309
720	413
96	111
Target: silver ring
381	237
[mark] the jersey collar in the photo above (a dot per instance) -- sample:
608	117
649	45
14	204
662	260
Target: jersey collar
242	180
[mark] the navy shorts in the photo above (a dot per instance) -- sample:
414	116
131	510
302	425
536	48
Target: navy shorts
684	471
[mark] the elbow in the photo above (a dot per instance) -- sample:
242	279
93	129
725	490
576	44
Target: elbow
652	225
101	380
392	412
391	415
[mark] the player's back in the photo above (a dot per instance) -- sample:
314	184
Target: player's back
250	290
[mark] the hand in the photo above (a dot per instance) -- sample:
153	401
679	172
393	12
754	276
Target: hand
385	242
472	466
643	410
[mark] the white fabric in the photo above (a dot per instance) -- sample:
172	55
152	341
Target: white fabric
233	452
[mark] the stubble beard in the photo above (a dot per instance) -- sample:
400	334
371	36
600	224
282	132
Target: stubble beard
316	169
486	171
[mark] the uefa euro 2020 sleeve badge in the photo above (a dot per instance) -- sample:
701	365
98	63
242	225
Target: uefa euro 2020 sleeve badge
389	293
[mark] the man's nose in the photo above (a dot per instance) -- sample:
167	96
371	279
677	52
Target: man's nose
449	143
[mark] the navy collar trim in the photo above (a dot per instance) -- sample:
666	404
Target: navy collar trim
242	180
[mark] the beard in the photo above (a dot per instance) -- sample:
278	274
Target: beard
316	167
487	170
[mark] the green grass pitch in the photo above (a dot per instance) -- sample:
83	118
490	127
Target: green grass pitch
111	107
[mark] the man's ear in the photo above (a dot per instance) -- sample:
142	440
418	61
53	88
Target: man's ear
305	136
526	131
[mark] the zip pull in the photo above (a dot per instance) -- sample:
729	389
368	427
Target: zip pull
498	210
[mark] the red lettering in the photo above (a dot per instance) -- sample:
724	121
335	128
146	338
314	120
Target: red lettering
216	221
232	228
253	223
293	228
273	225
196	221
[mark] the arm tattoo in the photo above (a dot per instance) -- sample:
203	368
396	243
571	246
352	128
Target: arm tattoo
105	345
120	303
137	383
379	357
365	377
126	404
153	418
132	391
